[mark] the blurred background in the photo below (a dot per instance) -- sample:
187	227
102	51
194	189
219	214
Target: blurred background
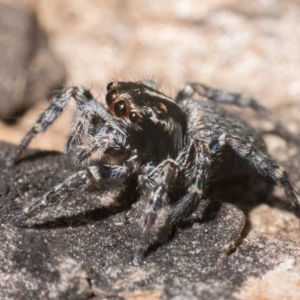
252	47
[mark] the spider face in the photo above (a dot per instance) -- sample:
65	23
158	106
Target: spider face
175	149
154	123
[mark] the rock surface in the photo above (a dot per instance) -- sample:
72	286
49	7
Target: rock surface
28	69
83	248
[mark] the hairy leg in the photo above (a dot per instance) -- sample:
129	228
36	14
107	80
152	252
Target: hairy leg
106	175
197	186
193	165
163	176
191	89
59	102
281	131
264	164
80	129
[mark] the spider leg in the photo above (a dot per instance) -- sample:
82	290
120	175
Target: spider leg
104	174
264	164
165	174
59	102
80	128
197	187
161	217
281	131
190	89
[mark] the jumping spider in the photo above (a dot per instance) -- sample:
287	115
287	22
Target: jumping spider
174	148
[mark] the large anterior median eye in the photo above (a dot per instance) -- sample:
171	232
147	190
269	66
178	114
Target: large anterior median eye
120	108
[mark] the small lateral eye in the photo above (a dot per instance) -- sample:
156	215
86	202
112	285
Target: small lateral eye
160	112
110	86
110	97
133	117
120	109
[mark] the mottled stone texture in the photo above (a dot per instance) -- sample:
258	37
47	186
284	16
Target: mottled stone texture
81	250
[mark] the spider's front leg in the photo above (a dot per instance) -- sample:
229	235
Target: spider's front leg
162	176
191	169
80	129
104	174
59	102
197	173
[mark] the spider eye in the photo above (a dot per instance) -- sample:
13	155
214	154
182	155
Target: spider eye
160	112
110	97
110	86
133	117
120	108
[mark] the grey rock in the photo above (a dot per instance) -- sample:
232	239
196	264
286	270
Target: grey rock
27	66
81	249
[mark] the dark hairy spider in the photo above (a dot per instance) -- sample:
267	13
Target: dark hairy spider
174	148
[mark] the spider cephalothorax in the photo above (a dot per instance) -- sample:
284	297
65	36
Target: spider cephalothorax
140	123
174	147
153	121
